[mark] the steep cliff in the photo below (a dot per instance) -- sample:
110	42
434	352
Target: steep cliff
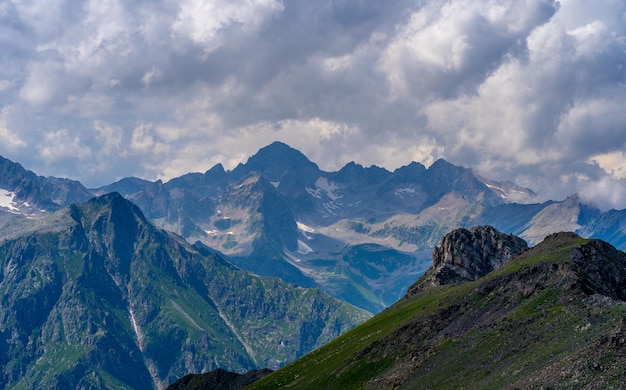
466	255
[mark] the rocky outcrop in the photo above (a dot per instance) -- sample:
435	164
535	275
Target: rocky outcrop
600	268
466	255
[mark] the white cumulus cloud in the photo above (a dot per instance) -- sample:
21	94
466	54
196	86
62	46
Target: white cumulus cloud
524	90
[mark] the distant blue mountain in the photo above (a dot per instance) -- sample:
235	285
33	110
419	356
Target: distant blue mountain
279	214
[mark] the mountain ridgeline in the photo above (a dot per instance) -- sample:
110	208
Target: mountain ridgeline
255	267
95	296
551	316
362	234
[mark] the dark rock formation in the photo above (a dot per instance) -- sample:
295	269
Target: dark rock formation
601	269
466	255
218	380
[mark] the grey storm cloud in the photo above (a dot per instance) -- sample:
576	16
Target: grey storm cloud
524	90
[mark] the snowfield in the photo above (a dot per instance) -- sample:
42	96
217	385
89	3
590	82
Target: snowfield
6	200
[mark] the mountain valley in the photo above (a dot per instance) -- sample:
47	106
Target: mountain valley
137	283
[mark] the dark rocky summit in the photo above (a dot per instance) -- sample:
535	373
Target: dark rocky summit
218	380
466	255
601	269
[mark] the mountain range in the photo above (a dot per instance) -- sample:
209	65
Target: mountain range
239	269
361	234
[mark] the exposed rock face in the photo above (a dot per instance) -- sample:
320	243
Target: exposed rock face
466	255
601	269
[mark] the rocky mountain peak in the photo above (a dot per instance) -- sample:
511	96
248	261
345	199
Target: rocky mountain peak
466	255
275	160
359	175
117	203
23	184
445	168
36	194
413	171
112	216
107	300
217	169
127	186
601	269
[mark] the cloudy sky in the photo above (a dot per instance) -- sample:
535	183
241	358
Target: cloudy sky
532	91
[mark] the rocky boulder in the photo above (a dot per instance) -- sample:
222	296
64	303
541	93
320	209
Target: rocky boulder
466	255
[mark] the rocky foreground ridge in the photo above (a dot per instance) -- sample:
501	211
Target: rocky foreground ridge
552	316
218	380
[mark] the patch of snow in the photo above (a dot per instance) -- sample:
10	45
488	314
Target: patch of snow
306	230
303	248
402	191
293	259
330	207
275	183
499	190
316	193
211	232
329	188
304	227
6	200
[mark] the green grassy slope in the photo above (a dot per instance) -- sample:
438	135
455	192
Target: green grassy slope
532	322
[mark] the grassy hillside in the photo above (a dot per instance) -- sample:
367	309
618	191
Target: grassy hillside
544	319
